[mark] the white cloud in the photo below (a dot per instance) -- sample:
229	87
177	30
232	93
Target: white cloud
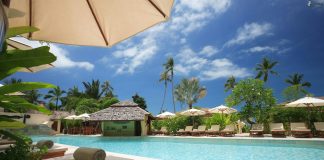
261	49
63	60
191	62
209	51
188	16
250	32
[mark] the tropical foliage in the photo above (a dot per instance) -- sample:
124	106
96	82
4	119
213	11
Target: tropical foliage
140	101
265	68
55	95
297	79
168	75
189	91
230	83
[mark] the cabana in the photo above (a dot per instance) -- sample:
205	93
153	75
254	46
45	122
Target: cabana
125	118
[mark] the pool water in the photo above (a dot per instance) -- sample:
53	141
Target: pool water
167	148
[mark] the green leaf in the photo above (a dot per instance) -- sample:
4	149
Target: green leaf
23	86
15	31
7	123
14	99
16	59
24	107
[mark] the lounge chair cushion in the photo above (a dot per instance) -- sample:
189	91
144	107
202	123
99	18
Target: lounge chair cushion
84	153
45	143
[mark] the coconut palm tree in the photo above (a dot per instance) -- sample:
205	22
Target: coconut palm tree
169	68
189	91
92	89
164	77
230	83
74	92
55	95
107	89
265	68
297	79
33	96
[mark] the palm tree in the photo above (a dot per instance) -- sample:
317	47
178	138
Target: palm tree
165	77
230	83
265	68
169	68
74	92
55	95
189	91
92	89
32	96
297	79
12	81
107	89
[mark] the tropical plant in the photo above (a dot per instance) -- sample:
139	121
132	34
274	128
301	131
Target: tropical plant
255	99
74	92
294	92
87	106
92	90
107	101
230	83
222	120
140	101
189	91
169	69
164	77
55	95
297	79
32	96
265	68
107	89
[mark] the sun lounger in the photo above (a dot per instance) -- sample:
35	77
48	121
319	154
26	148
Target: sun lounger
319	126
256	130
186	131
277	130
213	130
300	130
201	130
229	130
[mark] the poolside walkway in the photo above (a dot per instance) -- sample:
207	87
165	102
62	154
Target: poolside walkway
110	155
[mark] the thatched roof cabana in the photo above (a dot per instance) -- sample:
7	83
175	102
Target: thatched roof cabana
122	111
57	115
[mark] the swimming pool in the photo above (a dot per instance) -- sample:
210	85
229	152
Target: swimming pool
168	148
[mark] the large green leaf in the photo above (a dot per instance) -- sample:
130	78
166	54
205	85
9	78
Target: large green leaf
24	86
7	123
23	107
16	59
15	31
14	99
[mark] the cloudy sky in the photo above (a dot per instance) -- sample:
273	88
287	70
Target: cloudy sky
209	39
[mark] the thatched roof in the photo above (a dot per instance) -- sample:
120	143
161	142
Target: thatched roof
56	115
122	111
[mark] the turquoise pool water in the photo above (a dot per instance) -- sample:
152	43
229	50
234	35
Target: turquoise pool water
199	149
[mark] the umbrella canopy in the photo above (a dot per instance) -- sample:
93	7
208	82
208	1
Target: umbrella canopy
306	102
165	115
14	93
72	117
193	112
17	45
91	23
84	116
222	109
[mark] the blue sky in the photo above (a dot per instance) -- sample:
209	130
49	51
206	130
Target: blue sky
209	39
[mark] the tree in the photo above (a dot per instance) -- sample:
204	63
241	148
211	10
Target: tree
92	90
255	99
107	89
32	96
165	77
55	95
140	101
189	91
265	68
294	92
87	105
12	81
107	101
297	79
230	83
169	68
74	92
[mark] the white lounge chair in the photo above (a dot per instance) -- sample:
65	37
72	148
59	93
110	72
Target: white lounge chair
300	130
319	126
277	130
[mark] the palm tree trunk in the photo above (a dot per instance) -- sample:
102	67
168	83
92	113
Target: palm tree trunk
174	108
56	103
165	92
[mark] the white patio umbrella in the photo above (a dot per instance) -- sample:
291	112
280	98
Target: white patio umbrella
72	117
88	22
223	110
166	115
84	116
306	102
193	112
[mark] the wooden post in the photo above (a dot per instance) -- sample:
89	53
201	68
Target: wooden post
58	129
